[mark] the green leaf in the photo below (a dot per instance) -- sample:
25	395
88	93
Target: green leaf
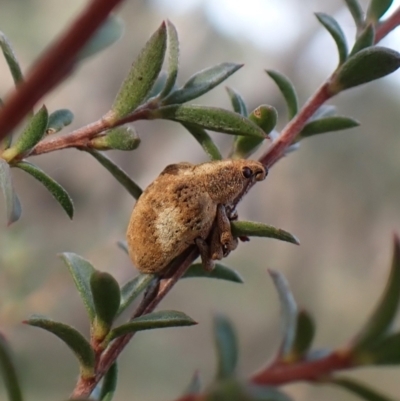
72	338
106	299
58	120
254	229
194	385
81	271
305	331
365	392
219	272
238	104
288	91
204	140
58	192
377	8
367	65
123	245
173	59
202	82
132	289
366	39
289	312
356	12
30	136
13	206
107	34
385	312
212	118
265	393
117	173
109	383
387	351
327	124
119	138
7	370
11	59
227	347
336	32
265	117
154	320
142	75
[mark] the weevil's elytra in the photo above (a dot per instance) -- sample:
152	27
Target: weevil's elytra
182	206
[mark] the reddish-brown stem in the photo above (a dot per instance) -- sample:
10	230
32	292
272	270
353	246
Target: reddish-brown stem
54	65
279	374
289	133
387	26
81	136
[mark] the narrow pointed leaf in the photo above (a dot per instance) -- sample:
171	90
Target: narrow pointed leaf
11	59
30	136
238	104
327	124
58	120
142	75
219	272
385	312
212	118
132	289
305	331
173	59
204	140
119	138
265	117
194	385
106	299
72	338
58	192
81	271
117	173
289	312
254	229
387	351
13	206
107	34
366	39
377	8
227	347
356	12
367	65
202	82
123	245
265	393
109	383
337	34
8	372
154	320
288	91
362	390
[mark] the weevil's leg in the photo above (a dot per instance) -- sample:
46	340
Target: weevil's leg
216	249
224	227
204	250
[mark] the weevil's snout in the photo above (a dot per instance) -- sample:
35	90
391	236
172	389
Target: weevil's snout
260	173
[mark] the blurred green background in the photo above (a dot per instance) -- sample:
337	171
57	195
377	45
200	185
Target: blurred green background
339	194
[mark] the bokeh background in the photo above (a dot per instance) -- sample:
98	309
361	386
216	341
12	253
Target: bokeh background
339	194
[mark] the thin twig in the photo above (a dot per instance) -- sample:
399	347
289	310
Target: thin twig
387	26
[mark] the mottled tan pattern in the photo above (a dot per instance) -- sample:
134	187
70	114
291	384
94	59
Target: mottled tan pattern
180	206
